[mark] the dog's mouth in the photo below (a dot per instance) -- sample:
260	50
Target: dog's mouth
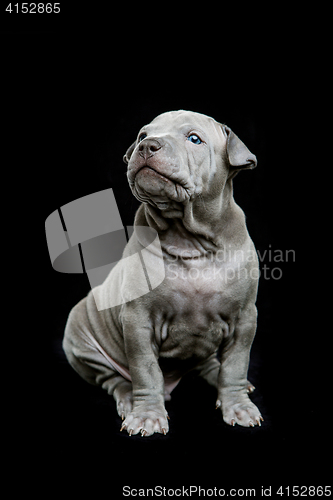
145	167
160	190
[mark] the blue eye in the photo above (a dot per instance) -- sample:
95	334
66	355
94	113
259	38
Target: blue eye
194	138
142	136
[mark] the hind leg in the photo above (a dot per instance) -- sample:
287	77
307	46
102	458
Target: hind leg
92	368
90	363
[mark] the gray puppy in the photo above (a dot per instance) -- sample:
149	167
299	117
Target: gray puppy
138	343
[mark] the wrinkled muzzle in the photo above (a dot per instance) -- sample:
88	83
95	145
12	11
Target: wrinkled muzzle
158	173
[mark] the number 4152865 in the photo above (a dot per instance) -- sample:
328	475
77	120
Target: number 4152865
34	8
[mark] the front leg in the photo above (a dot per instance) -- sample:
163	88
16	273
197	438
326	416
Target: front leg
237	408
148	414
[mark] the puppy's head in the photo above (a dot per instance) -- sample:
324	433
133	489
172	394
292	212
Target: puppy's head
181	155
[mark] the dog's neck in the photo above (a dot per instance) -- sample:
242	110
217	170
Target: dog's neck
203	225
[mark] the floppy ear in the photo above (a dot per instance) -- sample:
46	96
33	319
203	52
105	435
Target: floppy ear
128	154
238	155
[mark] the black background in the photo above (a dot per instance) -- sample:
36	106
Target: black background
74	102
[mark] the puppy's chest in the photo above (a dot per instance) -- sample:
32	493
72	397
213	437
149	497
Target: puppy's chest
192	336
201	281
193	305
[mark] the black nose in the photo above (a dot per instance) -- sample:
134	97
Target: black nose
148	147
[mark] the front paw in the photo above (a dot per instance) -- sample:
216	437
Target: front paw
239	410
147	419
